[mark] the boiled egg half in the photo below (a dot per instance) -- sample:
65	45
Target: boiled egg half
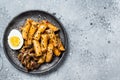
15	39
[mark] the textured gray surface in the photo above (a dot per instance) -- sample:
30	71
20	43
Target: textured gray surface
93	28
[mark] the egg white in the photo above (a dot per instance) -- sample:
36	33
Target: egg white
17	33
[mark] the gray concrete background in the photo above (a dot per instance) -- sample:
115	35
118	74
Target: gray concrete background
93	28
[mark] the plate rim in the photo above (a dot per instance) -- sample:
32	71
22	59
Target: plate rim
65	42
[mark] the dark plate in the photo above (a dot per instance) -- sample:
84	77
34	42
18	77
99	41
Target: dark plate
16	23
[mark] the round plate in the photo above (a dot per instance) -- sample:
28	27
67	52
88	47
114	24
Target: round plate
16	23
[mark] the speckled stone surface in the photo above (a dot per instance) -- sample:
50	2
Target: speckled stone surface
93	28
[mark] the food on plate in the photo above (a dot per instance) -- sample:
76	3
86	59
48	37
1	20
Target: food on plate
41	43
56	52
44	42
42	59
53	39
41	29
60	45
26	28
27	60
49	56
32	30
49	53
15	39
50	25
37	48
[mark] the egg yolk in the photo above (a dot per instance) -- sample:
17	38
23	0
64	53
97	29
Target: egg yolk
15	41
